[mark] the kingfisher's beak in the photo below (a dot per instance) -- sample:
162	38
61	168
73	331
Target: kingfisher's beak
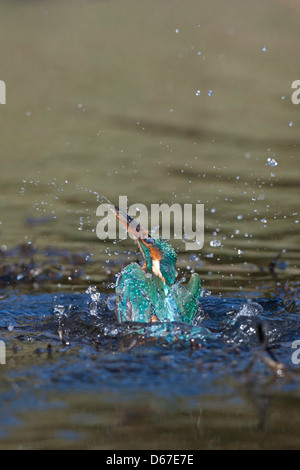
131	225
142	237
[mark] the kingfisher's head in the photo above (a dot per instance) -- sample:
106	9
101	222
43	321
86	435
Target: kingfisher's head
159	256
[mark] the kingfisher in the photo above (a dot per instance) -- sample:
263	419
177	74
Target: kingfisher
150	293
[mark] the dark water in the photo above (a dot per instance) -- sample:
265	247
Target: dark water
75	378
165	102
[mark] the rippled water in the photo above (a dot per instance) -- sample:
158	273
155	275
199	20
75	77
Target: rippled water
164	103
63	348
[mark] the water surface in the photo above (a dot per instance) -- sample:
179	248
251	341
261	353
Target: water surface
162	103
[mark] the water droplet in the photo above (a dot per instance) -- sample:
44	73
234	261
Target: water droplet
215	243
291	124
272	162
176	30
210	92
197	92
240	217
264	49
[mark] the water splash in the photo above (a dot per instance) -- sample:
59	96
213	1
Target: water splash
93	292
241	326
111	302
172	332
59	311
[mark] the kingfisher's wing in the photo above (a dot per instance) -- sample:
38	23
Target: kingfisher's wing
136	298
187	298
141	297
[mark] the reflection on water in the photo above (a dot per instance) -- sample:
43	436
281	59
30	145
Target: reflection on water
110	422
120	98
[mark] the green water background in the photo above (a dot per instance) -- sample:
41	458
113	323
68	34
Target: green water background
104	96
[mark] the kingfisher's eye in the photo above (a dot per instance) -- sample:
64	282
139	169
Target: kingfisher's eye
150	241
